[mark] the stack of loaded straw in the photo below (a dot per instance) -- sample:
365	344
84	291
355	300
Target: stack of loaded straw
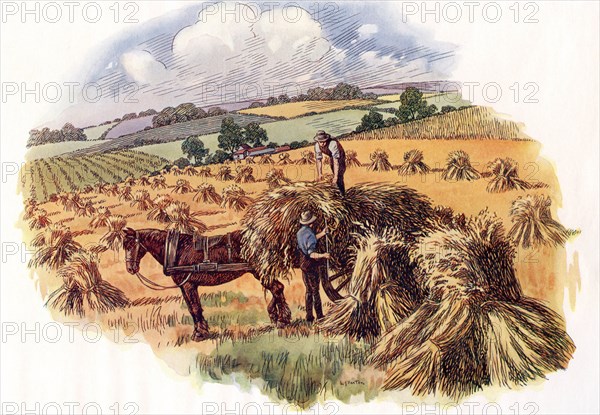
438	299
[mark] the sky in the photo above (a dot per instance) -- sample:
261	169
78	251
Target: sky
215	53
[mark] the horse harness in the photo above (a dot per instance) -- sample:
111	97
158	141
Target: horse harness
204	243
133	257
170	259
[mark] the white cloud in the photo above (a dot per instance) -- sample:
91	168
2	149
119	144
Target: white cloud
237	43
299	36
371	59
143	68
367	30
239	49
215	36
218	40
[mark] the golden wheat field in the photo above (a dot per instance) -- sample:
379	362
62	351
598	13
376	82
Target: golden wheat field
536	270
236	311
296	109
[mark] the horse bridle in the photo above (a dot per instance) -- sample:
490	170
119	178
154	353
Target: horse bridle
133	258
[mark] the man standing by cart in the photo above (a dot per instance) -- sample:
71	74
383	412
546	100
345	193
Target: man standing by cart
337	158
310	263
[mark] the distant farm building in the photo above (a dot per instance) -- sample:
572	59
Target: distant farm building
246	151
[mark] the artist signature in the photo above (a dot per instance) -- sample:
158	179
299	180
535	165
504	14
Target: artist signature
352	382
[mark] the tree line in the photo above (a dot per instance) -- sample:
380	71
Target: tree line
188	112
44	136
341	91
412	107
184	113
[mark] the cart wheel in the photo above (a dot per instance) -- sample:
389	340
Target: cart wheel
334	284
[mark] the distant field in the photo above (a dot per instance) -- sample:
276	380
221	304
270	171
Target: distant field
389	97
296	109
94	133
130	126
172	132
43	177
299	129
396	97
172	150
56	149
280	132
439	100
472	123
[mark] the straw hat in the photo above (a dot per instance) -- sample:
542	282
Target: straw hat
322	136
306	218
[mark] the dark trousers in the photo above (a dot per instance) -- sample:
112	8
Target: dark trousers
340	181
311	277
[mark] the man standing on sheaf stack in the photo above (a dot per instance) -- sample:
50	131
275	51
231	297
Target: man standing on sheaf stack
337	158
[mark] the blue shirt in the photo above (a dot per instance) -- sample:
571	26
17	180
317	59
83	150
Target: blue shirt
307	240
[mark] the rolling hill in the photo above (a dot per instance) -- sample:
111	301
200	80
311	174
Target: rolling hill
170	133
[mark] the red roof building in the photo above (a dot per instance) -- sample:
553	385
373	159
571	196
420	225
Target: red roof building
282	149
243	153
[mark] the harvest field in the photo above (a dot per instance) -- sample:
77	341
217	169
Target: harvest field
57	149
470	123
408	249
296	109
46	176
469	167
296	363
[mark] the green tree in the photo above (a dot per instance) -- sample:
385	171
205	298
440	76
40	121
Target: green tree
231	136
187	112
193	147
427	111
346	91
218	157
447	108
413	106
181	162
371	121
255	134
67	133
299	144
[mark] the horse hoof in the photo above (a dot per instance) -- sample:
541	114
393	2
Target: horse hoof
198	336
282	324
284	315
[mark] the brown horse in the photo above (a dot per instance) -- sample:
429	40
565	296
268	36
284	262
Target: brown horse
138	243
